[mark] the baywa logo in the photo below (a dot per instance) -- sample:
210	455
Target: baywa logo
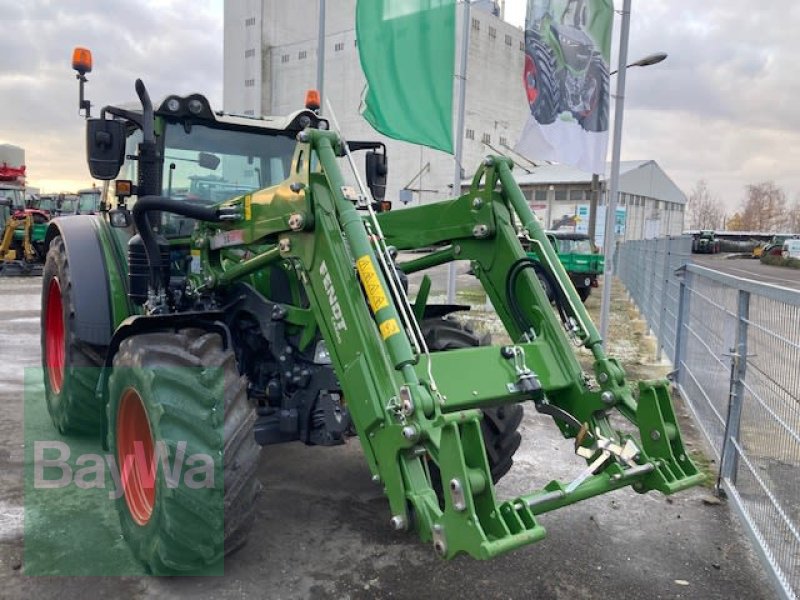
151	499
95	470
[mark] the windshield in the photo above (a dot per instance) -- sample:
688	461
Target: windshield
211	165
575	246
68	204
88	201
14	195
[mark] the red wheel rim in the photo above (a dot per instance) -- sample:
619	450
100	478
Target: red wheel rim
135	457
531	88
54	336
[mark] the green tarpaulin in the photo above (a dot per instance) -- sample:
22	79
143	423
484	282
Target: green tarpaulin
407	50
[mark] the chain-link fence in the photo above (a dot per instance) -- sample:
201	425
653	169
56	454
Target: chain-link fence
735	345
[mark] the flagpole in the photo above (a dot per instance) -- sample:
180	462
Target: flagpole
459	133
321	53
610	237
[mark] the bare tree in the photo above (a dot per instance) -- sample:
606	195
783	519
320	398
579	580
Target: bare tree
764	208
705	210
793	220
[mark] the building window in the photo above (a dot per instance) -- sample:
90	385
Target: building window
250	53
576	195
486	138
522	46
285	58
561	195
249	82
250	21
503	140
508	40
339	47
476	24
470	135
492	33
302	55
540	196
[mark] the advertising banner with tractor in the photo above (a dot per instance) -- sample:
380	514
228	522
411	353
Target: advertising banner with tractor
566	76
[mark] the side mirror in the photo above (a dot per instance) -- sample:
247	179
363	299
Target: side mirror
208	161
105	147
377	169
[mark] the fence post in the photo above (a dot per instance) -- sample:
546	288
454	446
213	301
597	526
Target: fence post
730	459
683	313
664	295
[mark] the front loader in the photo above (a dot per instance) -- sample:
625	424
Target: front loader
268	304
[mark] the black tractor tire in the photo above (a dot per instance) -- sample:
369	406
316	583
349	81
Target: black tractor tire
500	425
70	368
596	118
543	91
584	293
179	385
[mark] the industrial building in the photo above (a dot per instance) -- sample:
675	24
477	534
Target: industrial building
649	204
270	60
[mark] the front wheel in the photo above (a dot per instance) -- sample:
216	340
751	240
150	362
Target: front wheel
541	86
177	400
595	116
500	425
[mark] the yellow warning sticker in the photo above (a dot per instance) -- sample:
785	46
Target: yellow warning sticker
372	285
389	328
248	200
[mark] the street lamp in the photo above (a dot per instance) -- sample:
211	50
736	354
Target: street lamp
650	59
646	61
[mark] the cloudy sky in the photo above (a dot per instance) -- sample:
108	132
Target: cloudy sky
725	106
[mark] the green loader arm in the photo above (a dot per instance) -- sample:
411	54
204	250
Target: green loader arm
411	408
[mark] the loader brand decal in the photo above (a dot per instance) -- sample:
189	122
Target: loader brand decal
372	284
227	238
389	328
248	207
339	324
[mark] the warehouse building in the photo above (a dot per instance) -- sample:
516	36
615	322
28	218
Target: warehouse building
649	203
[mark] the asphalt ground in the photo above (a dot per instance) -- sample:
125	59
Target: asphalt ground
322	528
750	268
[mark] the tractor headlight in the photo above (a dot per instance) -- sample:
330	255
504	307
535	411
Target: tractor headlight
195	106
173	104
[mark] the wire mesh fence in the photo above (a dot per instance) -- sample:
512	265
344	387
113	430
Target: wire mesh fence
735	345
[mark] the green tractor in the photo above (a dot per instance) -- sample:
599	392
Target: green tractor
173	323
565	69
580	259
705	242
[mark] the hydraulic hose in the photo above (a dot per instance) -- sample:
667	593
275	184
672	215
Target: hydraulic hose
146	204
511	280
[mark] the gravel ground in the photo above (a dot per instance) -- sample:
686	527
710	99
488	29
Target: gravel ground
322	525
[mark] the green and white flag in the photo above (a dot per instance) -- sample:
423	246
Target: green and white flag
567	53
407	51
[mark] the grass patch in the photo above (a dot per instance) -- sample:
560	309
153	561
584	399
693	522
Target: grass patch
779	261
705	465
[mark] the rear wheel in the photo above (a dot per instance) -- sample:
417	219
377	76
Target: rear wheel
584	293
500	424
173	390
71	369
